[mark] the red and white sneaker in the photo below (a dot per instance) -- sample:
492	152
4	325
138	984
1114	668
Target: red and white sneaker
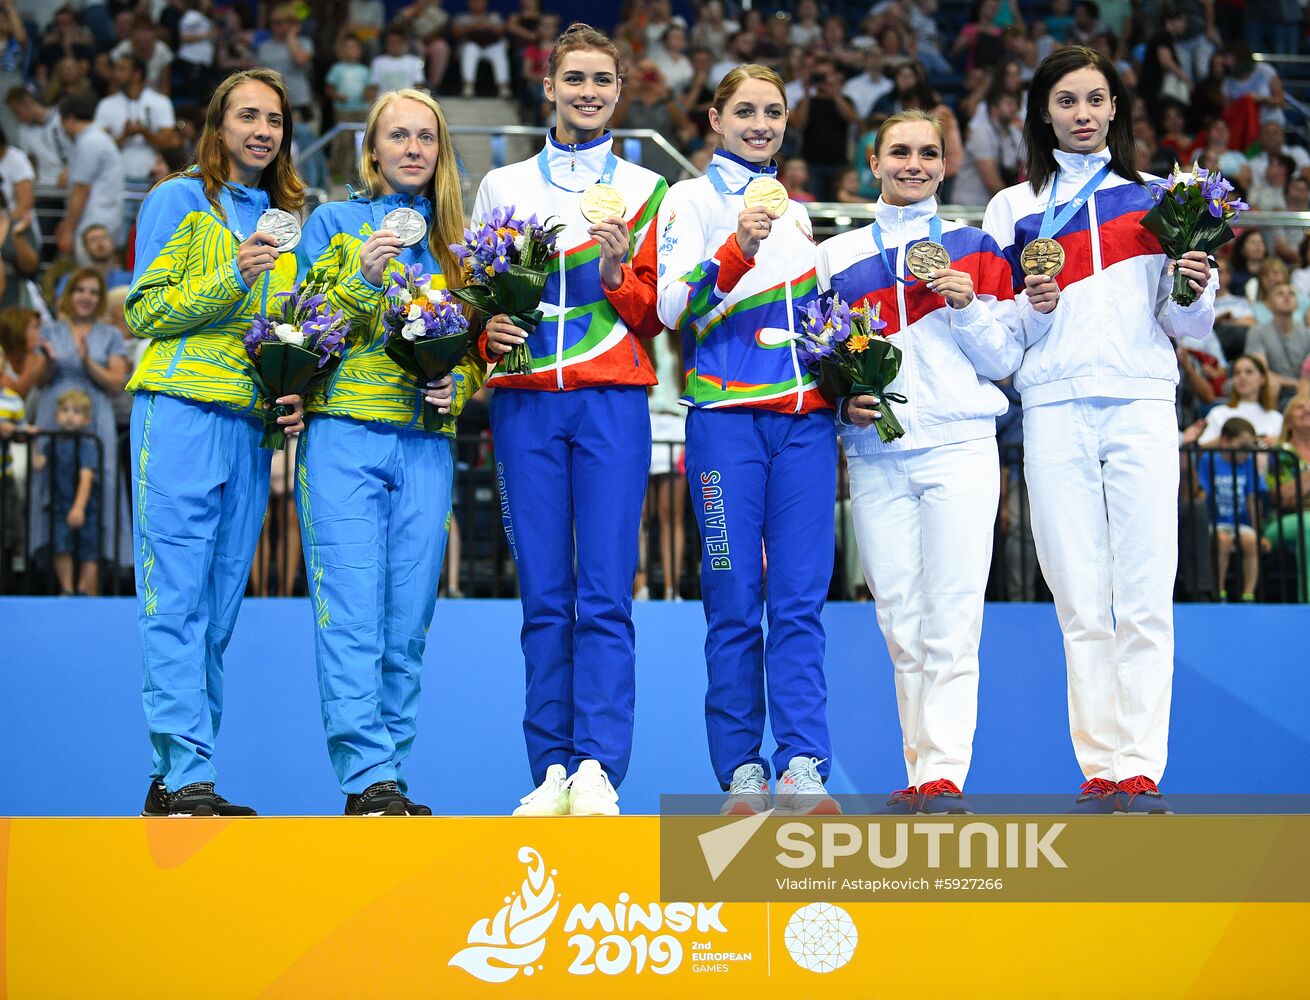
1140	794
942	797
801	791
1097	795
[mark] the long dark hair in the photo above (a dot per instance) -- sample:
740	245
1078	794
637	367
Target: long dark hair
1039	135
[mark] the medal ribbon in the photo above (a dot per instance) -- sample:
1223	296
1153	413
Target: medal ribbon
721	186
230	211
934	236
606	173
1052	223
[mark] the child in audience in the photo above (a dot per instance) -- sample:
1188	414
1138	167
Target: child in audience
1231	482
76	466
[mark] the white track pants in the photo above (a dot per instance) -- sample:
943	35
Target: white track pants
924	521
1103	482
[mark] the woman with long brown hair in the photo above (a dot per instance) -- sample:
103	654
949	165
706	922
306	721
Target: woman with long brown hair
374	487
203	270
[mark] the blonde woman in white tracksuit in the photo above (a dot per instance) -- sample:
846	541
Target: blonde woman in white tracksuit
925	503
1100	435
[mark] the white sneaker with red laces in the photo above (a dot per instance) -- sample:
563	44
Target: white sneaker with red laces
801	791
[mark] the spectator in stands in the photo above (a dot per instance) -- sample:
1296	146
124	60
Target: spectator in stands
646	103
138	119
100	251
699	95
1266	193
19	260
536	62
795	177
775	48
1214	154
95	175
1230	308
523	27
480	35
993	153
88	355
14	52
1059	22
1283	344
1249	251
1232	483
836	45
980	39
427	21
193	65
864	90
741	50
78	486
1273	143
145	44
347	81
365	19
1251	397
290	53
66	38
1273	25
1087	23
397	67
28	355
848	188
1259	81
712	31
41	136
1286	240
235	46
1271	273
1172	134
16	177
824	118
672	62
805	27
1289	489
1301	276
1162	77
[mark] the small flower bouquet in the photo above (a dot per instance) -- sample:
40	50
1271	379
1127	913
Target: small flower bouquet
1193	211
505	272
427	332
846	347
294	349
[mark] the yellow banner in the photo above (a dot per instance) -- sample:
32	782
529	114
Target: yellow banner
453	908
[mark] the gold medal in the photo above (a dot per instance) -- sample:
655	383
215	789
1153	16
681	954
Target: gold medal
603	201
925	257
767	193
1042	256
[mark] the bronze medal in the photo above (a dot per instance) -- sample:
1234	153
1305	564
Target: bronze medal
1042	256
767	193
925	257
603	201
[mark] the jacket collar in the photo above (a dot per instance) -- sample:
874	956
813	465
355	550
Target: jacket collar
577	164
737	172
894	218
1081	165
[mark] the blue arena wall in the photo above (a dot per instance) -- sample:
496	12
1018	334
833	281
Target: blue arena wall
73	737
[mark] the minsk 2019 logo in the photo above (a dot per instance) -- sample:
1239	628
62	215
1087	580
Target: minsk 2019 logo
609	938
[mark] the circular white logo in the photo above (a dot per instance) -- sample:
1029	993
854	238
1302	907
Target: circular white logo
821	937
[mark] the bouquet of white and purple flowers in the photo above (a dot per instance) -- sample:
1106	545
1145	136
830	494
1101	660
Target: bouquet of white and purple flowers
294	349
1193	211
845	346
505	262
427	332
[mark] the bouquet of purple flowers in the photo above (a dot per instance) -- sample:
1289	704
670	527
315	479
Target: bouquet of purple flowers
294	349
845	346
427	332
504	263
1193	211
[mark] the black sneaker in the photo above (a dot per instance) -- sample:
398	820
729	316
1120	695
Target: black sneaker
156	800
415	808
199	799
382	798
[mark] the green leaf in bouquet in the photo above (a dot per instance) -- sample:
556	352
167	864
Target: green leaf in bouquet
478	296
519	289
286	370
1210	234
425	360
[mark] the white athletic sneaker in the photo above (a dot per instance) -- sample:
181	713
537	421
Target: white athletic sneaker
749	792
590	791
801	791
550	798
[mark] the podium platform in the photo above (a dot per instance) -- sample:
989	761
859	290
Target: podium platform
475	907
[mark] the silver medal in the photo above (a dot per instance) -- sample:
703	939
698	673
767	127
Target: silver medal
282	226
408	225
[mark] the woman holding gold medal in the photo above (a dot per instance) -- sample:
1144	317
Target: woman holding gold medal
736	260
572	434
373	488
1100	436
925	502
212	248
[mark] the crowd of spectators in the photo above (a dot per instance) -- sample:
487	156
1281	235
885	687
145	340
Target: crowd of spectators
103	98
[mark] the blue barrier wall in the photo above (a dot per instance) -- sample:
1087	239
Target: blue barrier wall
72	732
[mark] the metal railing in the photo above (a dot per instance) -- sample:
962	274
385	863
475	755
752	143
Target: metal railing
479	563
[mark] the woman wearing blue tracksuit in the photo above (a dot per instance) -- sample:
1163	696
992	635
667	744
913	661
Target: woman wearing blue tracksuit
373	487
761	451
201	479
